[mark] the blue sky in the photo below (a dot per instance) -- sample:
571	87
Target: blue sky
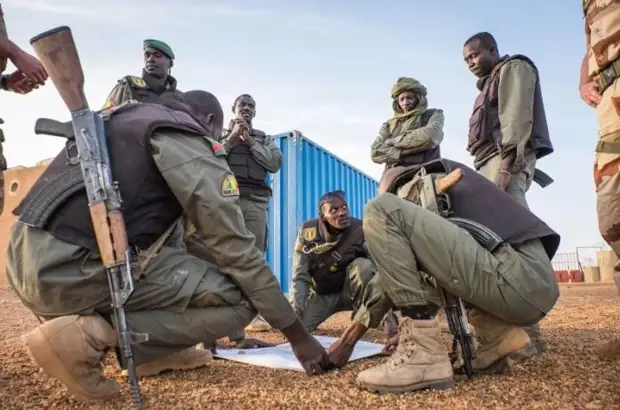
326	68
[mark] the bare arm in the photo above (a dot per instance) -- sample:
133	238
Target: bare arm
267	154
380	151
423	138
205	188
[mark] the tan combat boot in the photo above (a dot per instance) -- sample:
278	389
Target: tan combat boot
187	359
420	362
500	343
71	349
258	325
537	338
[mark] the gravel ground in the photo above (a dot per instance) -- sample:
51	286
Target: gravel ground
570	376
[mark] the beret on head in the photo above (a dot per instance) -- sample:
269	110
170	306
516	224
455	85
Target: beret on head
159	45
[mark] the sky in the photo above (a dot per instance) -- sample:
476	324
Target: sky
326	68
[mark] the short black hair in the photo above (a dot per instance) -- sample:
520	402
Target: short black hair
203	102
485	39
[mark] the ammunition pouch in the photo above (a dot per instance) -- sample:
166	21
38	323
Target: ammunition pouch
607	76
483	235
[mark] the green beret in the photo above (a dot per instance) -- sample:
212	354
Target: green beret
159	45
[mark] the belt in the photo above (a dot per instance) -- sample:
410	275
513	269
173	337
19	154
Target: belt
608	75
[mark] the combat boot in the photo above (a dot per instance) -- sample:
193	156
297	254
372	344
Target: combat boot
537	338
258	325
420	362
71	349
187	359
501	344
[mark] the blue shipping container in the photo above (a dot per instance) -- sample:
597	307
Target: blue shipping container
308	171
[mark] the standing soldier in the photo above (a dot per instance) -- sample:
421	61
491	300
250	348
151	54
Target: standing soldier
508	130
155	81
29	75
251	155
599	88
413	134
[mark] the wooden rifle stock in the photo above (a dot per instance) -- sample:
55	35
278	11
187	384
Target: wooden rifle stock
58	54
444	183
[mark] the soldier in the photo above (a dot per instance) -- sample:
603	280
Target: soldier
251	156
155	81
413	134
331	271
29	75
508	128
599	87
180	300
506	287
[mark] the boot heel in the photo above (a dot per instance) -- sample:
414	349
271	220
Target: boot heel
443	385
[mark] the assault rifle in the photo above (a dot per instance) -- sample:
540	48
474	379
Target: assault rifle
432	197
58	54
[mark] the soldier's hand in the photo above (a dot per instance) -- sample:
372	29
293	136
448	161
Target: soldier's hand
238	128
18	83
390	345
589	93
31	67
311	355
339	353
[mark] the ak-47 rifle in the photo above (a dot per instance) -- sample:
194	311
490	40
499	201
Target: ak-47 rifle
56	50
432	197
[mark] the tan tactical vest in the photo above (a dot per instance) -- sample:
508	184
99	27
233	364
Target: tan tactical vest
603	25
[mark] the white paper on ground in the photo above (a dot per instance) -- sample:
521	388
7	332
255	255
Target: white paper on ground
282	357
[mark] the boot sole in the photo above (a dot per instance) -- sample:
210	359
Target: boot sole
46	358
428	386
505	363
155	372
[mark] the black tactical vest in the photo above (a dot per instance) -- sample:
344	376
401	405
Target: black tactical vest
57	202
146	94
329	270
484	126
251	176
477	199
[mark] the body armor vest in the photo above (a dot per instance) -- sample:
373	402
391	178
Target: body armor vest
477	199
251	176
58	204
484	127
329	269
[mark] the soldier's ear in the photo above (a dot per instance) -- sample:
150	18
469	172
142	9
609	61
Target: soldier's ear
209	118
171	62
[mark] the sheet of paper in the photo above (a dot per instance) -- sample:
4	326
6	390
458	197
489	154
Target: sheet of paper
282	357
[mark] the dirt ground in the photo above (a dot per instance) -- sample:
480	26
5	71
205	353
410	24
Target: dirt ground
570	376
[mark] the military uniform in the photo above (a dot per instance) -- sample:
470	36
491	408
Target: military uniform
166	168
145	89
250	164
504	121
409	138
415	250
332	274
602	26
3	62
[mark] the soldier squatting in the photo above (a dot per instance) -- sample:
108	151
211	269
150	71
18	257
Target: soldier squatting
179	170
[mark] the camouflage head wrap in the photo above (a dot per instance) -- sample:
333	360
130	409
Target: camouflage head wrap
412	118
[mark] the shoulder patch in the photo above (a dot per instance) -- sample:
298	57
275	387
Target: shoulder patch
230	186
217	148
137	82
309	234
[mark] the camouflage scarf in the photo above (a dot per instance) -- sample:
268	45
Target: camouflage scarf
405	121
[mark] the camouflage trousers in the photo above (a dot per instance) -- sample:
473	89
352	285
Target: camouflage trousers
607	170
